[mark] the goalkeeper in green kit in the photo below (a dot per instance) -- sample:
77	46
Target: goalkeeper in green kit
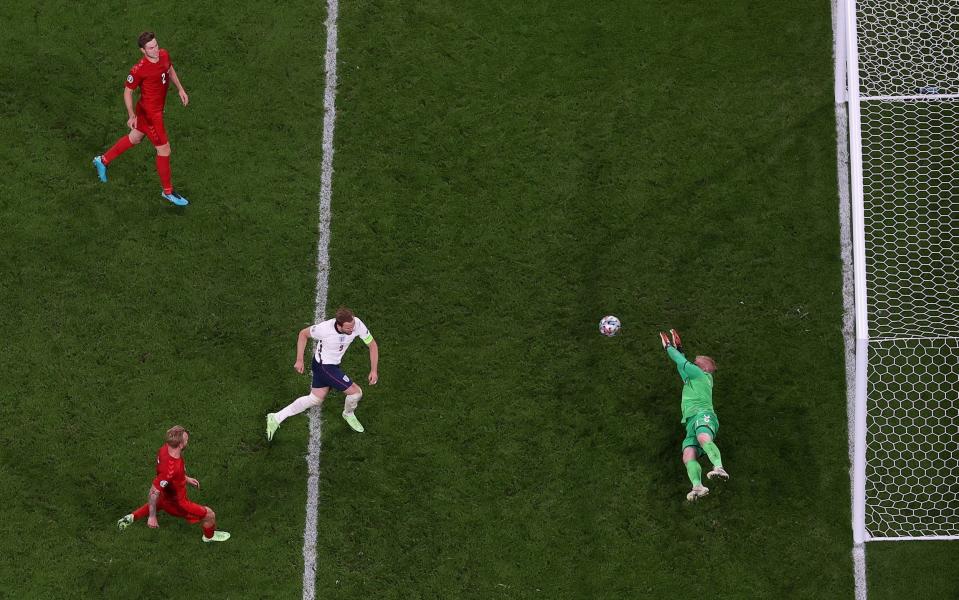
700	419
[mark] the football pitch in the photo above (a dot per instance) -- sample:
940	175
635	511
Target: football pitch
505	174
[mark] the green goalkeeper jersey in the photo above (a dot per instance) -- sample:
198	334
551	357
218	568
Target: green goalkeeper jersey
697	386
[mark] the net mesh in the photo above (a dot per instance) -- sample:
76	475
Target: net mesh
912	467
908	47
908	53
910	205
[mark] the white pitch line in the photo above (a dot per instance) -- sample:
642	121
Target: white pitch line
322	281
845	242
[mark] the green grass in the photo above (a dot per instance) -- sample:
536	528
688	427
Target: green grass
505	175
125	316
527	171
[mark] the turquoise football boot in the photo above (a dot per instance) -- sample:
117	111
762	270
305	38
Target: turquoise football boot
175	198
101	168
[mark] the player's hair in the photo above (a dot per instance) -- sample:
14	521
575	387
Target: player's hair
710	363
174	435
343	315
145	38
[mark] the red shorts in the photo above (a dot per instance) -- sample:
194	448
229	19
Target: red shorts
183	508
151	124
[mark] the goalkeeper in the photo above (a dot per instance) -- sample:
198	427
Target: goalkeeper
700	419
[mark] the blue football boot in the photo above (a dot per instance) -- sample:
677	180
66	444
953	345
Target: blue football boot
175	198
101	168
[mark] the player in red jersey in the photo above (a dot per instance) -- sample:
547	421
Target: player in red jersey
152	75
168	492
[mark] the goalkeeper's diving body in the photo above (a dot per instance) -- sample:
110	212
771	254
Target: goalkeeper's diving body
700	419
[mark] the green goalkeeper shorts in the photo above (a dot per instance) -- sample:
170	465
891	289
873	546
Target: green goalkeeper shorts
703	422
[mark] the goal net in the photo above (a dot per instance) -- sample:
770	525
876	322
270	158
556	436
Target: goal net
904	106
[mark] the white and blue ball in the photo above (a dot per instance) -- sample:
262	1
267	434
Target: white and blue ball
609	326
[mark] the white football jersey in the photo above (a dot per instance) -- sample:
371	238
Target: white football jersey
331	345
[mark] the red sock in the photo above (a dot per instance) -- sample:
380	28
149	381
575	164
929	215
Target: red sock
208	531
123	144
141	513
163	170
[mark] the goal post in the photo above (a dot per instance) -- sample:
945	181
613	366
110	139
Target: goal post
902	68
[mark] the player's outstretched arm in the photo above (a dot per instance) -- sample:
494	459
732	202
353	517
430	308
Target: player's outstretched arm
176	81
667	342
374	362
676	355
677	341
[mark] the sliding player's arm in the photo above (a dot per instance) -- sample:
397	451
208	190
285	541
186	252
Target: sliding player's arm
152	501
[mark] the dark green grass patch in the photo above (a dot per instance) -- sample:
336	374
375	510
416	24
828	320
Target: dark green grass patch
123	316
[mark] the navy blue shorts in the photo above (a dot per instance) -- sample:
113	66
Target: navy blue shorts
330	376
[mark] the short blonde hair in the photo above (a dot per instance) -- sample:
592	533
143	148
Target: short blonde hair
710	363
175	434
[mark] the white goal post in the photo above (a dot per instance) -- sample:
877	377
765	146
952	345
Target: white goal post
902	69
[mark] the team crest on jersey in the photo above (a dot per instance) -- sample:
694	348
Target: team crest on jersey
129	78
346	379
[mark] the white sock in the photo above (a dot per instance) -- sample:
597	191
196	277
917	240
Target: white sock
297	406
352	400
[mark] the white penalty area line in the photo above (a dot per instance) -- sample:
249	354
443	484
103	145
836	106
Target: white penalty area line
322	283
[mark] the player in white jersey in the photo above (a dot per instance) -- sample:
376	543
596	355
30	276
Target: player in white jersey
332	337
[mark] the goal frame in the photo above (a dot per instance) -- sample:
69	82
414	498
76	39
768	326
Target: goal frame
847	65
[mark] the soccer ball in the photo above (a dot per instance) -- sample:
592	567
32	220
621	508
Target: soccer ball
609	326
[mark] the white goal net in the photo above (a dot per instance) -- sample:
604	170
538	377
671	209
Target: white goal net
904	106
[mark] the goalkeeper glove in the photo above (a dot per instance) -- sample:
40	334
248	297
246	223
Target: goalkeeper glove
677	341
665	340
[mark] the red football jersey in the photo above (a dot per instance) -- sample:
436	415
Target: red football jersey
171	474
153	80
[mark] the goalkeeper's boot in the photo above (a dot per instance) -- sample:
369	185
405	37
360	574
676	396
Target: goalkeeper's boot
697	492
175	198
101	168
271	426
718	473
218	536
125	522
677	341
354	423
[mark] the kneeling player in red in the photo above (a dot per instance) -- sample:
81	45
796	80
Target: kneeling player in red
168	492
152	75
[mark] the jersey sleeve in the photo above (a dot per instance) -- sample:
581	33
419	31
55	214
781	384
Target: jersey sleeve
363	332
315	331
687	370
165	471
133	79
